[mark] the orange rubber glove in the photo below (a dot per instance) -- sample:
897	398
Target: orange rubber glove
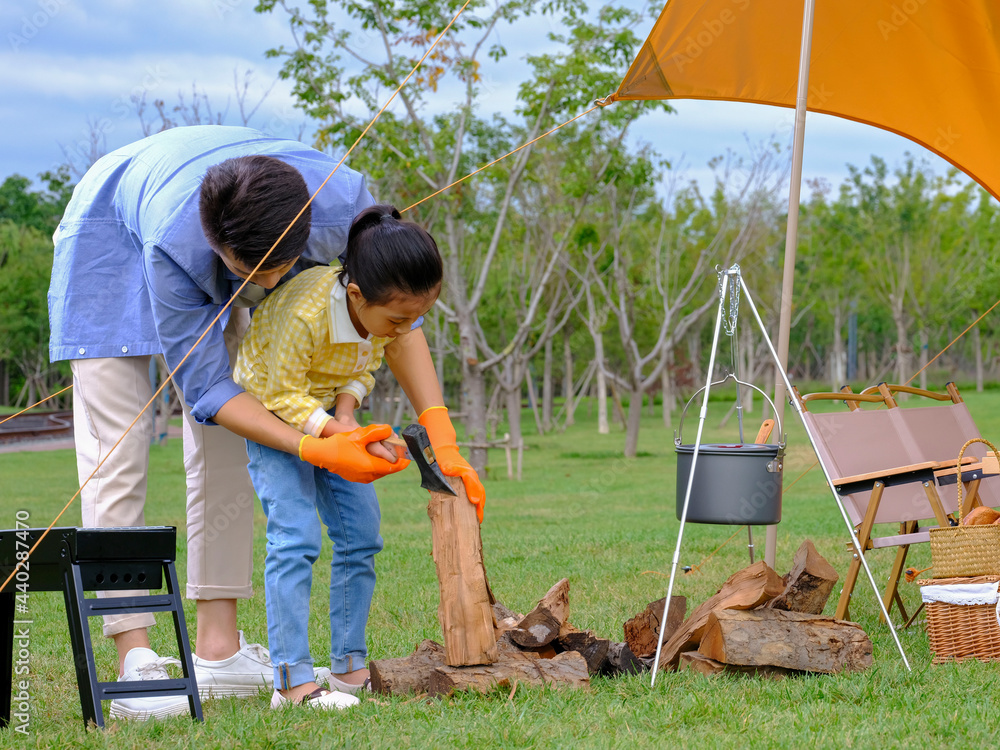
346	454
445	443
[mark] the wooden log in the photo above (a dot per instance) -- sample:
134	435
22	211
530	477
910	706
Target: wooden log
541	625
565	670
808	584
594	650
643	631
465	609
744	589
408	674
620	660
696	661
791	640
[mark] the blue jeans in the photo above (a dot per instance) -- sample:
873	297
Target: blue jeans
292	492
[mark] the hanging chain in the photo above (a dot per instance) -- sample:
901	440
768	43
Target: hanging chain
734	298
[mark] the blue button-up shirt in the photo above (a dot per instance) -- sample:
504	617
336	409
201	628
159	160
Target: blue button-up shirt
133	273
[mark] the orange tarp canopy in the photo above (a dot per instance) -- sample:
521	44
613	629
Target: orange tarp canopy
928	70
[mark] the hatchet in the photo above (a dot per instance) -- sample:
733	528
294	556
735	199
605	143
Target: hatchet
419	450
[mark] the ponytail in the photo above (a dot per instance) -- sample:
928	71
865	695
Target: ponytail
387	257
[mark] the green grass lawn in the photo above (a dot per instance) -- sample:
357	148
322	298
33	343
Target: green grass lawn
581	512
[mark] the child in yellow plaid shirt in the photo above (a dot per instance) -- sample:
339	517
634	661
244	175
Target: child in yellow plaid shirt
309	357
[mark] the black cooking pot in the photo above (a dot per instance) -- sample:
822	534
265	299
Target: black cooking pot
733	484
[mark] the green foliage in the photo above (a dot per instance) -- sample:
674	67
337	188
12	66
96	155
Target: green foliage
38	209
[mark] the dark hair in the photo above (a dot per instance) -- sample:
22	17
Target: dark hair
386	256
245	205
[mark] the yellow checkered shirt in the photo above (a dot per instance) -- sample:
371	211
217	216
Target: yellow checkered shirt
301	351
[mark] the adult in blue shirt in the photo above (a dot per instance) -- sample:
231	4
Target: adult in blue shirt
156	239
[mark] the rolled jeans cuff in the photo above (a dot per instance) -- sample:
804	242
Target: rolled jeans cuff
287	676
349	663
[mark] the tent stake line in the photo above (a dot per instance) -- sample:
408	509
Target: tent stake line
734	272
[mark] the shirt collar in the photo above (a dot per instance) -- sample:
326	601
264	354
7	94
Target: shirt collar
342	330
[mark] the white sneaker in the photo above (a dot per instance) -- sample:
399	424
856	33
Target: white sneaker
320	698
144	664
243	674
349	687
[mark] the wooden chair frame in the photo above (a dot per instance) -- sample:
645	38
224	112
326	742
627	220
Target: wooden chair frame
912	446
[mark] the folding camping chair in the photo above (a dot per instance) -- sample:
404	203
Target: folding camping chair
896	465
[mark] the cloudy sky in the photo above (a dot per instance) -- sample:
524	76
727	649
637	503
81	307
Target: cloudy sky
70	67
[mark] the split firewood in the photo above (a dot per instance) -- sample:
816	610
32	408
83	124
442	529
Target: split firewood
808	584
696	661
745	589
620	660
541	625
409	673
507	646
505	619
594	650
791	640
465	609
642	632
565	670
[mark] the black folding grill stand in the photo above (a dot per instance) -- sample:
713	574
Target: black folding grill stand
75	560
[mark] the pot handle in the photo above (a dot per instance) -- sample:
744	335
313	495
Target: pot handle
729	376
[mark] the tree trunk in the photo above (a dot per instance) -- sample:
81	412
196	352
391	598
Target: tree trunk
633	422
837	375
667	389
547	387
977	347
903	348
602	387
511	384
568	394
924	348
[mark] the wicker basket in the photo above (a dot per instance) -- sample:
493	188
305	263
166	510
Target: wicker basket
961	551
961	632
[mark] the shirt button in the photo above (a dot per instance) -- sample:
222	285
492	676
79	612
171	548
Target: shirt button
124	350
82	350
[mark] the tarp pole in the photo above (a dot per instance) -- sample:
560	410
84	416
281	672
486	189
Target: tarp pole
791	238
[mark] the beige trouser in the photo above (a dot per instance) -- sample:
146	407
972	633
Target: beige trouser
107	395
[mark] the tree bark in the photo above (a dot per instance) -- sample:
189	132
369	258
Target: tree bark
698	662
568	385
977	348
633	423
808	584
568	669
594	650
924	347
790	640
541	625
667	389
410	674
602	387
547	387
642	632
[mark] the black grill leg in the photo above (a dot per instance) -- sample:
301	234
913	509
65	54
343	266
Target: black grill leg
83	651
6	653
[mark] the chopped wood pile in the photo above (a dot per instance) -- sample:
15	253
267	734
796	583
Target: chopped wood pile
757	623
760	623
